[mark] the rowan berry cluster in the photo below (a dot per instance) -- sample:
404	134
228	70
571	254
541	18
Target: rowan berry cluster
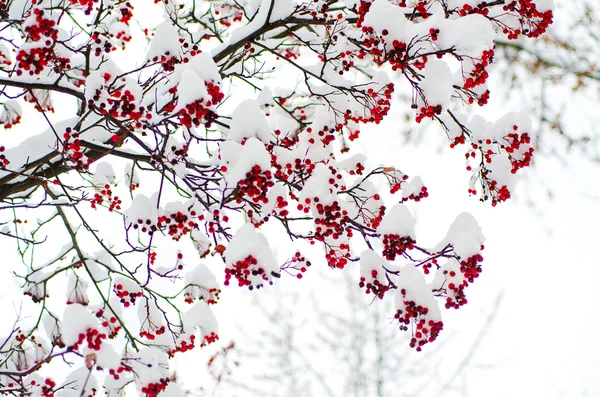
373	285
424	330
378	104
519	148
3	160
154	389
428	112
297	265
39	27
256	184
210	295
244	270
209	338
534	22
395	245
105	194
184	346
92	337
127	298
293	171
178	223
47	388
416	196
72	151
479	74
156	331
34	59
116	374
86	5
230	15
110	323
467	9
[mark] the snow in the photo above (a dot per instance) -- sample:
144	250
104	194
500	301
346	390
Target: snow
398	221
76	320
465	235
142	207
191	88
249	121
103	174
201	317
369	261
200	281
249	242
165	40
437	83
412	281
385	15
75	381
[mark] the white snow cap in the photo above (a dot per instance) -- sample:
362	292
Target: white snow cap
247	241
465	235
249	121
369	261
398	221
412	281
76	320
166	39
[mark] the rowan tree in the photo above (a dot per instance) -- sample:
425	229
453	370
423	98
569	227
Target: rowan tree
182	139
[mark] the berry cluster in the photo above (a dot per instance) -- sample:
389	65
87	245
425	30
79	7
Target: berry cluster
467	9
199	111
101	44
370	210
9	116
394	245
178	223
428	112
470	267
110	323
255	185
329	219
3	160
374	285
425	330
244	269
416	196
105	194
377	104
184	346
73	152
92	337
297	265
127	298
86	5
154	389
210	338
118	104
34	59
533	22
153	332
519	148
145	226
116	374
39	27
210	295
395	179
46	388
479	74
232	14
298	170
